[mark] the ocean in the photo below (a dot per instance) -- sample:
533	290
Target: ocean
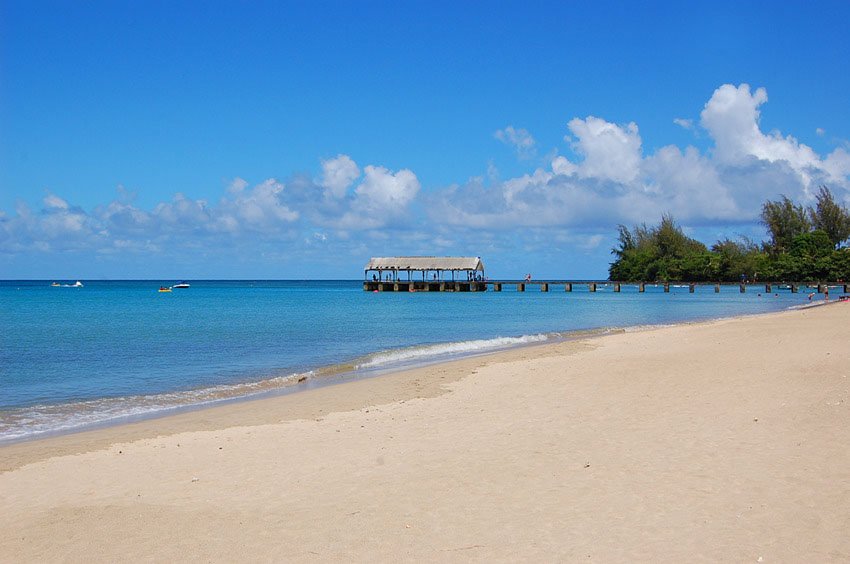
115	351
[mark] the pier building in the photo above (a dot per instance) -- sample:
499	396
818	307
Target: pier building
424	274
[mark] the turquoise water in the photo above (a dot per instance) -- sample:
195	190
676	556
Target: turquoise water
71	357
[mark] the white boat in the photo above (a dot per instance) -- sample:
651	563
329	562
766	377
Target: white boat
76	284
181	285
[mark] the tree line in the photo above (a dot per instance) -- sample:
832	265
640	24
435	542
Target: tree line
805	245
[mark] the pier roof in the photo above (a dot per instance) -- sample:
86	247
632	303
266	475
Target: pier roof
425	263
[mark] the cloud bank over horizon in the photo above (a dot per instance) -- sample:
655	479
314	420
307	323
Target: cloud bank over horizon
603	178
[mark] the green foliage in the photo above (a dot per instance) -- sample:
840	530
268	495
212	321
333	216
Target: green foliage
734	258
784	221
660	253
830	217
799	250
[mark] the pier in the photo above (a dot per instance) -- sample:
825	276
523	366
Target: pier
466	274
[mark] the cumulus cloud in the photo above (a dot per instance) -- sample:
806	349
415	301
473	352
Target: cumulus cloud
338	174
732	116
385	191
382	198
520	139
121	225
54	202
260	208
268	211
602	177
609	151
611	180
684	123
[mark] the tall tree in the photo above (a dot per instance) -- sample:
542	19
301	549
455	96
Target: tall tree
626	241
784	221
830	217
661	252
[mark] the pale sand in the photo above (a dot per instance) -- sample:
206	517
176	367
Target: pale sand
724	441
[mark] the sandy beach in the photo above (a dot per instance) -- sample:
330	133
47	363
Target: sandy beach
717	441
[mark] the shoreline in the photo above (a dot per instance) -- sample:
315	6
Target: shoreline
336	374
171	420
716	440
359	368
230	412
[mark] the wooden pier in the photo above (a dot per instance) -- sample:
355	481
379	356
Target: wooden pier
466	274
583	285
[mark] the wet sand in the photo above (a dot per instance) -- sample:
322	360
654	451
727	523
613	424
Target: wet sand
724	440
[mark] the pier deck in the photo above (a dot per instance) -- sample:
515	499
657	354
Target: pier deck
568	285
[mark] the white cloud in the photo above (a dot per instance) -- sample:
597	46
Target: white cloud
381	198
684	123
688	184
520	139
54	202
183	213
820	131
612	181
562	165
385	191
298	210
608	181
338	174
732	115
610	151
837	166
259	208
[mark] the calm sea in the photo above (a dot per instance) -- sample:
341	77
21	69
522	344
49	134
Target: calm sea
113	351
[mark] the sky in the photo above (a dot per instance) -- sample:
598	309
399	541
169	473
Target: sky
293	140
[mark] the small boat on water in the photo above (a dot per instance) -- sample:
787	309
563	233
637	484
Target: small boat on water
55	285
164	289
77	284
181	284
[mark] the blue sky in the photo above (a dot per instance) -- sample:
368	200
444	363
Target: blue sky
295	140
